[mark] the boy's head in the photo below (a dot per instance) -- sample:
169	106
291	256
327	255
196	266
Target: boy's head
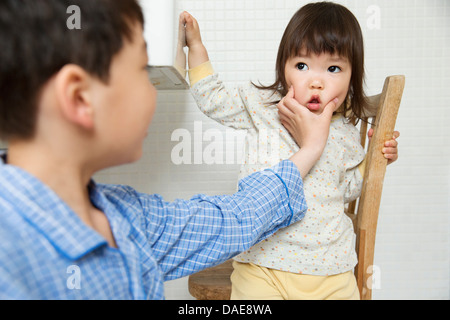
95	75
325	28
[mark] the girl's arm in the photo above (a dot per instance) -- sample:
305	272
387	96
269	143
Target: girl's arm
189	36
197	51
198	59
228	106
390	150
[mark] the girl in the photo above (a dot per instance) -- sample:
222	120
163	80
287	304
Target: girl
320	58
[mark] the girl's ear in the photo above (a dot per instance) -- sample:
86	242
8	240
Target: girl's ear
74	97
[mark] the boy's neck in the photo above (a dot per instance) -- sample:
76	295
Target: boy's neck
67	178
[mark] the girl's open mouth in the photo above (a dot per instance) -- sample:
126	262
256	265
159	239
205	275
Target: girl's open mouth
314	103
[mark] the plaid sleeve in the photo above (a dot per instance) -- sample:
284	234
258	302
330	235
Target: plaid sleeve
188	236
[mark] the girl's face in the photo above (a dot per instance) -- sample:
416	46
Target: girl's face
318	79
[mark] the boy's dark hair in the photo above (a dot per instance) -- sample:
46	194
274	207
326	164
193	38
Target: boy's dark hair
324	27
35	43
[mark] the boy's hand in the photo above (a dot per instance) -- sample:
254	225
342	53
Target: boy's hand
191	38
309	130
390	150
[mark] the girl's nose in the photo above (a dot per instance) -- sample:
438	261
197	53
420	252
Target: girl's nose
316	84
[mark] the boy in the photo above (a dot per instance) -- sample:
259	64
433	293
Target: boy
65	95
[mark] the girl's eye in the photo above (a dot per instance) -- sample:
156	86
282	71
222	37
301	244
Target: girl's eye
301	66
334	69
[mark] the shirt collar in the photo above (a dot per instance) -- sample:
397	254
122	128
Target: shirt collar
47	213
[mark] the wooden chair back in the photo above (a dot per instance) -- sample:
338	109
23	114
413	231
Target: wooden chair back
383	110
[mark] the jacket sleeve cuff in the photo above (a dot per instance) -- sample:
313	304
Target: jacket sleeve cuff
289	175
200	72
181	71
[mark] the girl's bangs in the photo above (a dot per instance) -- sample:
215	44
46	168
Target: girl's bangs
326	41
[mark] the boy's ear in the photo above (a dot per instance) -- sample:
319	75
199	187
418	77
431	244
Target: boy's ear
74	95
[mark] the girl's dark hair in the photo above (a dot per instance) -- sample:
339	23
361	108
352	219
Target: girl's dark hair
324	27
35	43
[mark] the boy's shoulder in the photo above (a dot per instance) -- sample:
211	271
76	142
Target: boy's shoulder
16	239
12	224
122	195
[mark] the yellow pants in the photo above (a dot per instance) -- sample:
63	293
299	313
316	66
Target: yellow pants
252	282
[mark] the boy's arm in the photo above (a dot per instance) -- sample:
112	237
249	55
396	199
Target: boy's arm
188	236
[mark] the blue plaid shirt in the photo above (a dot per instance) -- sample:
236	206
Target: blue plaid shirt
47	252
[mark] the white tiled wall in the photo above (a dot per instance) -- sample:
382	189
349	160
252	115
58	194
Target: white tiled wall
413	38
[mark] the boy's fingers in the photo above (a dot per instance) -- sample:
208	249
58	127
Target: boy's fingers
287	102
290	93
283	119
283	110
396	135
330	108
291	106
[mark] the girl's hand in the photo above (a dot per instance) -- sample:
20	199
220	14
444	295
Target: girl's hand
191	37
180	58
182	30
390	150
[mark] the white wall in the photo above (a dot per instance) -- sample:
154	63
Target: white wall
242	36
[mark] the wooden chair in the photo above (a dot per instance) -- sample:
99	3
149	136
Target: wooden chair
214	283
365	222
